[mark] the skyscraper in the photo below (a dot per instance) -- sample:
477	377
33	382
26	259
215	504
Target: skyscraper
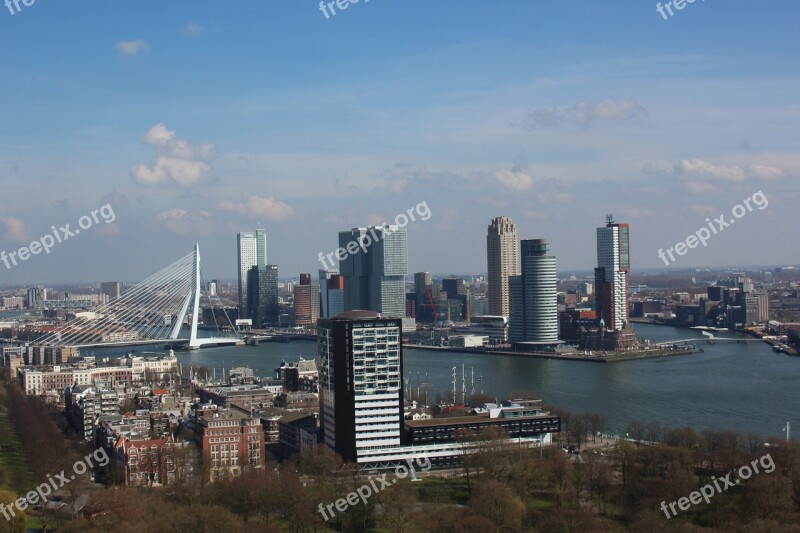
306	302
502	262
423	294
361	388
533	296
374	272
111	289
252	261
324	276
611	274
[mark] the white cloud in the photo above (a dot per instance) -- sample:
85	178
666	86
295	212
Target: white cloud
260	207
193	29
178	160
704	210
699	187
699	172
184	222
15	229
636	212
131	48
698	168
376	220
560	197
584	113
514	179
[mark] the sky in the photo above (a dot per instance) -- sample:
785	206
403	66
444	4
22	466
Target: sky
195	120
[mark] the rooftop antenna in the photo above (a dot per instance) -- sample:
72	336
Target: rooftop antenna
609	219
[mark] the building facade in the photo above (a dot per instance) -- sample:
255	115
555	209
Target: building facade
361	388
306	302
230	442
251	250
502	262
611	274
534	305
374	269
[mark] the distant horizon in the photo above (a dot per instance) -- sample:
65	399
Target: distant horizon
561	275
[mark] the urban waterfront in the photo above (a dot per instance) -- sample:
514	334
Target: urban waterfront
742	387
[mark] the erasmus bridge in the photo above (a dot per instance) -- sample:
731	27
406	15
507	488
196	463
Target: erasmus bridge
151	312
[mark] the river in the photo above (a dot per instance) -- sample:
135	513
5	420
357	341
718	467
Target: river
743	387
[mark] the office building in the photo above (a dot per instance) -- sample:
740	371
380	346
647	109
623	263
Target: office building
454	287
33	295
112	289
533	295
331	286
213	287
230	442
306	302
252	261
611	274
374	269
502	262
423	294
361	388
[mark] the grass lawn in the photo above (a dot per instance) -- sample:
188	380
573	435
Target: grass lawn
432	489
17	475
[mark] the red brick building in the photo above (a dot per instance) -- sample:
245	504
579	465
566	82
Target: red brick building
229	441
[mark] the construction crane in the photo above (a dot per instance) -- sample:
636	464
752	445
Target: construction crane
434	310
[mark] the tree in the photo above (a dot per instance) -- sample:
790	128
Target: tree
598	423
398	506
636	431
17	522
579	429
497	502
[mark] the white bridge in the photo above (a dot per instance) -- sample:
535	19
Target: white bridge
151	312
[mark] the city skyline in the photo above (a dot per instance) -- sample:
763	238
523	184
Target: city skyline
664	138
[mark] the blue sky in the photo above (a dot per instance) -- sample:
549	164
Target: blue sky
196	120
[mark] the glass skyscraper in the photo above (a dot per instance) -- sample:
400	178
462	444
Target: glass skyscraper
611	274
533	296
374	269
255	278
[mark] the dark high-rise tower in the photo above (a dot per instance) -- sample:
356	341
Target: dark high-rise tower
361	382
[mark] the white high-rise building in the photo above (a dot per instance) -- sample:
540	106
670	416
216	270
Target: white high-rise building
534	303
252	253
502	262
611	274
